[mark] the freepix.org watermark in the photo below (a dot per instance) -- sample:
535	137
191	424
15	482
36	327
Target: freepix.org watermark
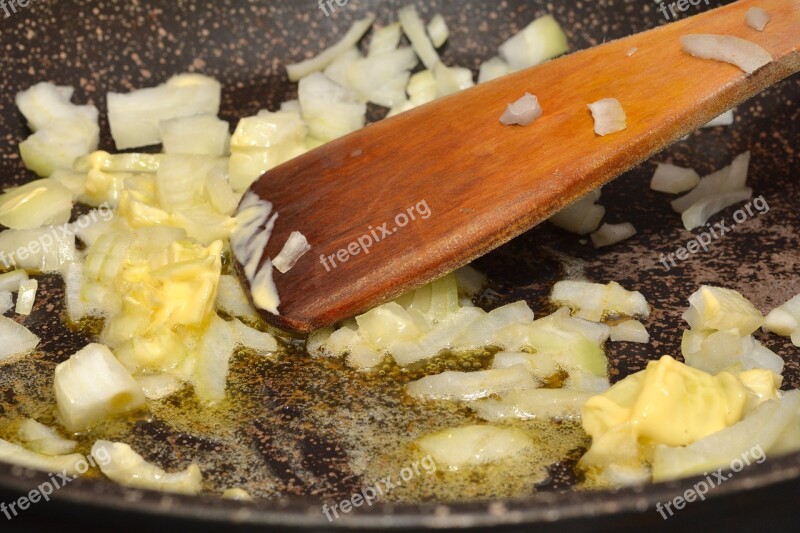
715	479
45	241
714	233
668	7
329	6
57	481
9	7
381	487
375	235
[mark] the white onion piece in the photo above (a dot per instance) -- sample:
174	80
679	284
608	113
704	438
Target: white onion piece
5	301
43	439
59	144
213	359
26	296
92	385
492	69
593	300
35	204
582	216
385	39
746	55
126	467
10	281
718	308
474	445
17	339
609	234
698	214
451	79
785	319
203	134
159	386
630	331
469	280
539	41
17	455
381	79
452	385
608	115
757	18
541	365
258	341
330	109
232	299
45	102
296	245
725	119
532	404
730	178
180	177
674	179
522	112
417	36
237	494
437	30
302	69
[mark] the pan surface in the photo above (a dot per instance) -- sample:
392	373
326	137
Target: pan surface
298	432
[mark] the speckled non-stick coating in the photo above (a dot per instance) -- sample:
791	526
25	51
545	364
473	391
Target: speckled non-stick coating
118	46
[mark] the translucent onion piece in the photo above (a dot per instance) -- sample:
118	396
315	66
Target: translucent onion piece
213	358
385	39
26	296
198	135
474	445
533	404
42	439
329	109
492	69
593	300
608	115
725	119
522	112
698	214
717	308
253	339
452	385
232	299
17	455
17	339
294	248
10	281
539	41
45	102
451	79
5	301
785	319
609	234
415	31
437	30
300	70
757	18
746	55
630	331
582	216
159	386
673	179
730	178
35	204
59	144
237	494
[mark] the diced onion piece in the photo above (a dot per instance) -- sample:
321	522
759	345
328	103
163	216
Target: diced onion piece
593	300
630	331
329	109
232	299
784	319
213	359
758	431
469	280
745	54
134	117
609	234
385	39
126	467
474	445
582	216
220	193
42	439
542	366
451	79
382	79
608	115
17	339
539	41
300	70
180	179
757	18
35	204
237	494
492	69
533	404
58	145
632	51
718	308
45	102
296	245
698	214
339	69
17	455
713	351
10	281
422	87
522	112
26	296
725	119
452	385
673	179
253	339
5	301
415	31
387	324
364	357
198	134
159	386
92	385
136	162
437	30
730	178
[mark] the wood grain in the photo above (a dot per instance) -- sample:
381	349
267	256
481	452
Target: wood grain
486	183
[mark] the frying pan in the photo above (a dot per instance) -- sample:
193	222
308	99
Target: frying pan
298	431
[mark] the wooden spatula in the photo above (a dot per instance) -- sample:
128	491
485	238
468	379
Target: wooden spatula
405	200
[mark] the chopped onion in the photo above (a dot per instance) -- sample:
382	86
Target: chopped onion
179	179
452	385
539	41
5	301
42	439
582	216
673	179
757	18
237	494
415	31
630	331
17	455
17	339
329	109
213	359
45	102
38	203
541	366
451	79
300	70
26	296
58	145
746	55
159	386
474	445
698	214
437	30
9	281
381	79
727	179
532	404
253	339
609	234
608	115
126	467
492	69
385	39
296	245
136	162
725	119
593	300
785	319
134	117
717	308
232	299
203	134
522	112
